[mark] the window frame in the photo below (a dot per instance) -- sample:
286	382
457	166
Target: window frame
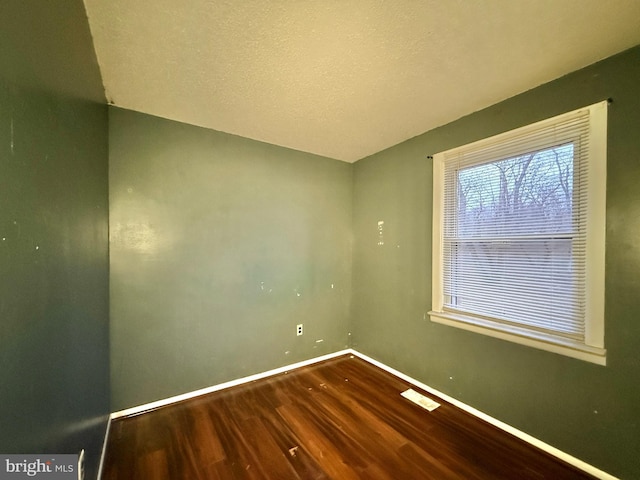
592	349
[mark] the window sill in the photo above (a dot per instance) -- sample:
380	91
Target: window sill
522	336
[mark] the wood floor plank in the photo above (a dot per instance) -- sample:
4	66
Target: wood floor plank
303	463
208	448
340	419
154	464
313	439
266	455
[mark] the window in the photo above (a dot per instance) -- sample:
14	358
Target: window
518	235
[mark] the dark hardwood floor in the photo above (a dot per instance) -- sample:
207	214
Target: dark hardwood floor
341	419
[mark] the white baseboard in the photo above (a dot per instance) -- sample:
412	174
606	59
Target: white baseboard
104	448
576	462
129	412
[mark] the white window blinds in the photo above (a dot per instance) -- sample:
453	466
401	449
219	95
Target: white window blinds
514	227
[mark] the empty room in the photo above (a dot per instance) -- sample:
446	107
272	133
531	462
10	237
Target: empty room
331	240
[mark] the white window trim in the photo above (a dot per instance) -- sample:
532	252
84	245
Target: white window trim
592	350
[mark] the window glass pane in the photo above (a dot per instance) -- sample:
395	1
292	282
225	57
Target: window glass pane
519	234
525	195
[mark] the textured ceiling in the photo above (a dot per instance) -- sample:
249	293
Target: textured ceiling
343	78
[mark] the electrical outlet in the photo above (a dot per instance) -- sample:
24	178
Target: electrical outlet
299	329
81	465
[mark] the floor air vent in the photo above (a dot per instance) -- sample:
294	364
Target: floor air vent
420	399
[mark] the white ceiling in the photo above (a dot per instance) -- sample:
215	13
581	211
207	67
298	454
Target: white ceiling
343	78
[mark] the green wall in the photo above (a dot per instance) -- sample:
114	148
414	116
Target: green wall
54	378
220	245
586	410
